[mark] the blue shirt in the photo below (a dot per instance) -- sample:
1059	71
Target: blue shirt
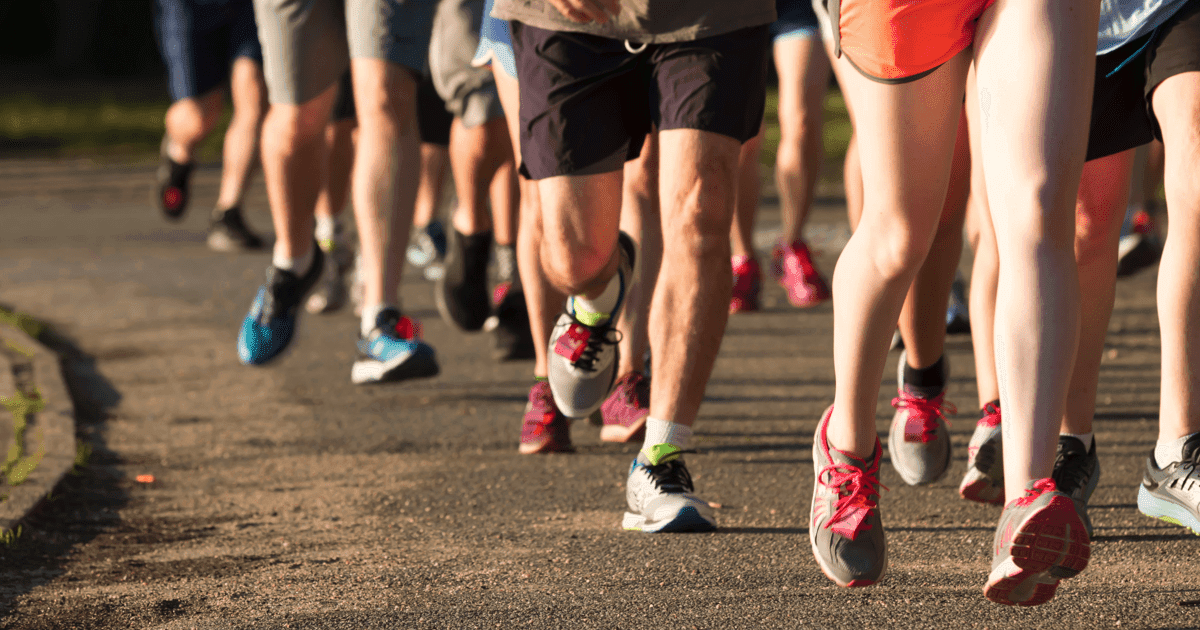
1122	21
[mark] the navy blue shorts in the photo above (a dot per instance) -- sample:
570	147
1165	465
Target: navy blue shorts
200	39
795	18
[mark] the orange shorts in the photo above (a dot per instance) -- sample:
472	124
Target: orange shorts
894	41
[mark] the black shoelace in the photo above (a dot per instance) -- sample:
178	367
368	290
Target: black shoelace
600	336
672	476
1071	471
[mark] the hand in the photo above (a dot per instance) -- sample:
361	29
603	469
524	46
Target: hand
585	11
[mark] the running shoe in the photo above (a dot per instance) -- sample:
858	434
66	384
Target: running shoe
919	440
793	267
174	179
846	530
393	351
747	284
428	245
984	480
332	291
229	233
509	326
544	429
1172	493
660	494
1039	541
625	410
1138	247
462	291
1076	473
271	322
582	359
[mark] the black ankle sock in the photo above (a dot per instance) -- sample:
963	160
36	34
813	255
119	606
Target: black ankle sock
927	381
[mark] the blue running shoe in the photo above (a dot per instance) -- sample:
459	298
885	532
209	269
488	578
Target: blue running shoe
393	351
271	322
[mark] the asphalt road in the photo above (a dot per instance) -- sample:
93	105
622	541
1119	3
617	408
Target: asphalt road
286	497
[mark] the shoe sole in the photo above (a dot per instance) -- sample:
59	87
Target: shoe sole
219	242
546	446
1050	545
688	519
1167	511
421	364
977	484
618	433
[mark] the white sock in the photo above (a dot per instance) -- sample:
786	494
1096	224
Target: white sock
1167	453
1086	438
298	266
665	432
599	309
326	229
369	315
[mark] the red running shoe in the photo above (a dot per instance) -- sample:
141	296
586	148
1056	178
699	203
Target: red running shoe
544	429
747	284
626	409
1039	541
793	267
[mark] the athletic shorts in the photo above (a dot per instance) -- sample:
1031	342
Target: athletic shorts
587	102
433	121
200	39
343	106
1119	120
796	19
1175	50
468	90
896	41
307	44
495	43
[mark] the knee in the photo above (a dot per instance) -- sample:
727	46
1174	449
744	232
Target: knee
573	267
1096	231
289	128
699	232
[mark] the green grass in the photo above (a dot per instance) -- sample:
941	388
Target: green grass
110	123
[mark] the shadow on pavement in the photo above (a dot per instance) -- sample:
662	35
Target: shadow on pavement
85	503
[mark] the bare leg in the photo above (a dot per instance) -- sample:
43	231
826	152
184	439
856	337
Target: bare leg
241	138
189	121
435	162
294	165
476	153
803	71
339	135
384	184
748	189
1100	210
641	220
1033	135
906	171
690	307
1177	106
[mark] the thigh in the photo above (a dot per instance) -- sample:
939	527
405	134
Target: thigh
715	84
303	45
392	30
1035	65
1175	52
894	41
581	107
803	70
698	186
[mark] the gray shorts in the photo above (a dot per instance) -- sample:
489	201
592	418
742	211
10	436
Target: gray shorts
470	92
307	44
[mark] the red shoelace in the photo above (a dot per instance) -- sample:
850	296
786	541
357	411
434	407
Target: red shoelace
923	414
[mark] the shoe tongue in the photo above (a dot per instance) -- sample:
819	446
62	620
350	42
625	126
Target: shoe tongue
1191	448
842	457
662	453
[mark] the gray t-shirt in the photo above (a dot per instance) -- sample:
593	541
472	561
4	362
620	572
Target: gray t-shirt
648	21
1122	21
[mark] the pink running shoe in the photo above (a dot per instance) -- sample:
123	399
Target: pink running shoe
626	409
544	428
793	267
747	284
1039	541
984	479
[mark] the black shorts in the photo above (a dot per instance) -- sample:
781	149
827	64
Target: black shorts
1119	120
1176	50
587	102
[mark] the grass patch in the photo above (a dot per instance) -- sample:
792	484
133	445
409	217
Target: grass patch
23	322
17	465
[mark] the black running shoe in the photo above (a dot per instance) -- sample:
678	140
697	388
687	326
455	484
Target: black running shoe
511	338
462	292
271	323
1076	473
173	182
229	233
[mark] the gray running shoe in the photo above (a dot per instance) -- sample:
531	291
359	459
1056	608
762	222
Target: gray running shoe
582	360
1076	473
846	530
984	480
1172	493
919	440
1039	541
660	494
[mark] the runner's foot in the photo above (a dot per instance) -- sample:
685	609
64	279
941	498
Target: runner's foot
1172	492
462	291
174	179
229	233
984	479
271	323
793	267
544	429
747	285
625	410
846	531
1076	473
393	351
919	439
660	494
1040	540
